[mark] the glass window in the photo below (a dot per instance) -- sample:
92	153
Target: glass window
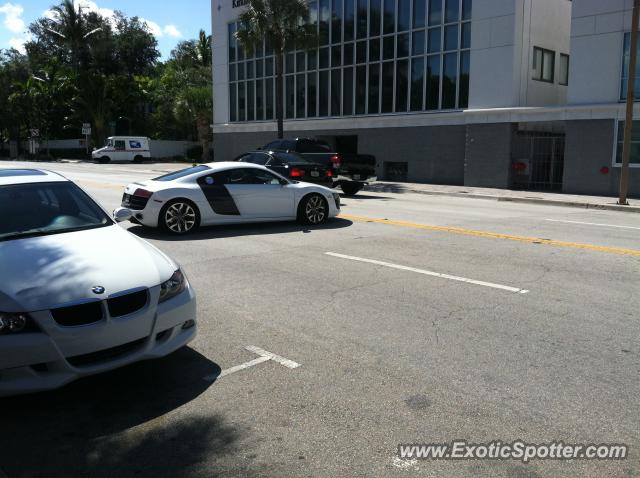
182	173
361	24
240	70
268	66
389	19
374	18
635	143
625	69
324	93
336	81
259	68
269	93
255	158
543	64
290	95
387	87
324	57
324	21
249	70
232	41
417	44
311	95
374	49
435	12
336	21
349	19
433	82
312	59
347	94
232	103
563	73
361	93
466	35
119	145
300	63
418	13
388	47
259	100
449	80
47	208
232	72
463	100
300	96
289	63
466	9
348	54
404	7
336	56
452	12
434	43
361	51
250	101
451	37
374	88
402	84
402	45
417	83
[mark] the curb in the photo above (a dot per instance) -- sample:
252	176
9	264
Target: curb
493	197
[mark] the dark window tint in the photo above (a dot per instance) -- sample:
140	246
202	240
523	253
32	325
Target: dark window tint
433	81
417	83
374	19
435	12
119	145
47	208
404	7
255	158
402	67
387	87
249	176
449	80
349	17
374	87
182	173
312	146
389	19
287	158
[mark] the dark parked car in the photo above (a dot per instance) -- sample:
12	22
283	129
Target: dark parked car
350	171
291	165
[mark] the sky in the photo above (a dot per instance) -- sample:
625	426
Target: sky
169	21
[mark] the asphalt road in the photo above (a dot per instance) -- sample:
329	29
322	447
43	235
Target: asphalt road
388	351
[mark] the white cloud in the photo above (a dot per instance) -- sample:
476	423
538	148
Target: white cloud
13	17
18	44
172	31
153	27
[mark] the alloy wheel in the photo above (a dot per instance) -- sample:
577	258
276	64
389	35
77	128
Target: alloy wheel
315	210
180	217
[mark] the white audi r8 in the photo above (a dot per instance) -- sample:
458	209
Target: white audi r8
79	295
225	193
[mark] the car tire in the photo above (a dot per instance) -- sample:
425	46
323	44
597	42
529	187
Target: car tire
185	215
104	160
350	189
313	210
138	159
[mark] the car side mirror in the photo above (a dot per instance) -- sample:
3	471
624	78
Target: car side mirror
122	214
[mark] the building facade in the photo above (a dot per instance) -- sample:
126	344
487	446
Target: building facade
475	92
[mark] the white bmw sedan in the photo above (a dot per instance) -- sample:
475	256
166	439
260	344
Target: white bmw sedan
79	295
226	193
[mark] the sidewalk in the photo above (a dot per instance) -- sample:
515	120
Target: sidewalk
553	199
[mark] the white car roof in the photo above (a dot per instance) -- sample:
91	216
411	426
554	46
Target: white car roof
28	176
224	165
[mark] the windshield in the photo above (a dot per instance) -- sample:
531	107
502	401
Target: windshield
182	173
109	143
47	208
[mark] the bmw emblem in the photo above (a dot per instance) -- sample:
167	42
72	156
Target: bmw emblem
98	290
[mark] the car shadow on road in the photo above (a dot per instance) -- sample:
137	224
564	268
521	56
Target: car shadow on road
119	424
237	230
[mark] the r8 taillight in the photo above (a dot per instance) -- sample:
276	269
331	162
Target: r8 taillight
143	193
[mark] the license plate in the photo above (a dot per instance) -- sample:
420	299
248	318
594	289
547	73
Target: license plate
315	174
356	176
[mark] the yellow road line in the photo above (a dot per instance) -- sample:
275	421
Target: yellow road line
495	235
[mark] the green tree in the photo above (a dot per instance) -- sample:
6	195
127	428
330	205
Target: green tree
283	24
191	53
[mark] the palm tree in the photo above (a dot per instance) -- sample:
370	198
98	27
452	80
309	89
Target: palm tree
71	31
282	24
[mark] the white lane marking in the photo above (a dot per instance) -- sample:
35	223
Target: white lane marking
593	224
264	356
276	358
430	273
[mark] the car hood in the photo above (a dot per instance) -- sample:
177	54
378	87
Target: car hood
44	272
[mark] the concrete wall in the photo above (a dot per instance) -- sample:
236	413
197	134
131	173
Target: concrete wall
167	149
597	34
589	147
503	34
434	154
488	155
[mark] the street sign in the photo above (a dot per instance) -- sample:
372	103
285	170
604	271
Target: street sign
86	131
35	133
86	125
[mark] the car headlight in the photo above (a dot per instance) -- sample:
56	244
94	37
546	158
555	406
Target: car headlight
173	287
16	324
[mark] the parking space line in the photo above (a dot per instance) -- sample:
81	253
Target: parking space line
593	224
495	235
507	288
264	356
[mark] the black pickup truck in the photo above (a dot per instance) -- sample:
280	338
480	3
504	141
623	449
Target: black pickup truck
350	171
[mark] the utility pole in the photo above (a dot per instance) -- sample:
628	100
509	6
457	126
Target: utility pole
628	122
